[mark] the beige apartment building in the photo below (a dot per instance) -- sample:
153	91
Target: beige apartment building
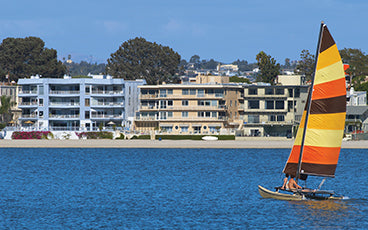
208	106
212	105
272	110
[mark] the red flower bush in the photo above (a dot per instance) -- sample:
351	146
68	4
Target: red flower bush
31	135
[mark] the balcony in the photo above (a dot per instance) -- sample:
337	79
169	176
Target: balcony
28	92
29	116
184	108
63	116
27	104
107	116
64	104
107	92
64	92
107	104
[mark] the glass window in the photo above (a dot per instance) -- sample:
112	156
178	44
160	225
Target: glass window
279	104
252	91
170	103
269	91
169	114
185	92
253	118
280	118
193	92
184	129
200	93
253	104
170	91
162	92
272	118
184	103
269	105
184	114
280	91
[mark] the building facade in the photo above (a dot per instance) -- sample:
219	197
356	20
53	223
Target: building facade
204	107
212	105
83	104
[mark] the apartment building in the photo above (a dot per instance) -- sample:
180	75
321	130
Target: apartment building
77	103
272	110
203	107
12	92
211	104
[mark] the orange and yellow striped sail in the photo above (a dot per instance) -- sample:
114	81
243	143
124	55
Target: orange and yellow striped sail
326	119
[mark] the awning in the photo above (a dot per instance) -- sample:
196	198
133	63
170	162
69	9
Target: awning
184	125
196	125
166	125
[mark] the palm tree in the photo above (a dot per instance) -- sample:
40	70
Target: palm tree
5	107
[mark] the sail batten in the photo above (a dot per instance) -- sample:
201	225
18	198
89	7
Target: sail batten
320	146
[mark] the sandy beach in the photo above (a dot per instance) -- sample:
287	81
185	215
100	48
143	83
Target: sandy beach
105	143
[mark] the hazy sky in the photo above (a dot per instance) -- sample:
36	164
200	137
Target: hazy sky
228	30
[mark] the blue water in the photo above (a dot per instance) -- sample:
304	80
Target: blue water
169	188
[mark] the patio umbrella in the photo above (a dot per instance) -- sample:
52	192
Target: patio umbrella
28	122
111	123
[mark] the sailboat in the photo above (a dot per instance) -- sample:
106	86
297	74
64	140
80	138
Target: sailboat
318	141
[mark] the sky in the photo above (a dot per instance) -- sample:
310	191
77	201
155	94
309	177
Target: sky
225	31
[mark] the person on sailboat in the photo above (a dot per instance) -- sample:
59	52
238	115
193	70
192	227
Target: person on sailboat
293	184
285	185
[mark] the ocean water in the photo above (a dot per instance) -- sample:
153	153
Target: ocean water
170	189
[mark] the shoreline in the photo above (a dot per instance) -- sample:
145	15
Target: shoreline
189	144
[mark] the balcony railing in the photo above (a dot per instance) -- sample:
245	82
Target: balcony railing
105	116
28	104
58	92
154	96
107	104
64	104
107	92
63	116
152	118
27	91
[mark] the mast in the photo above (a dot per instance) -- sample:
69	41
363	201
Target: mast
309	102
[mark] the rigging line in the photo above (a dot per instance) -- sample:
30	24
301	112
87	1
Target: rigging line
309	100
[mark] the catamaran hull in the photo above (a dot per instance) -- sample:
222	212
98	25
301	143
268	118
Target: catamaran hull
265	193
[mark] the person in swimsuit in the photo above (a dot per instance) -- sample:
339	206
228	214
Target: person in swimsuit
292	184
285	184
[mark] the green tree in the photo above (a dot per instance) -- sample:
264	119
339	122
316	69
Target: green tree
268	67
23	57
211	64
138	58
239	79
5	107
243	65
357	60
306	65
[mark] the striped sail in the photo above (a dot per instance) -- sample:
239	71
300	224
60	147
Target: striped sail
326	118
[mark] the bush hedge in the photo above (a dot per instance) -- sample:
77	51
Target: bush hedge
146	137
95	135
31	135
193	137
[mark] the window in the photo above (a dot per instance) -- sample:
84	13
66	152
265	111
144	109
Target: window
200	93
269	105
214	114
86	102
272	118
86	114
279	105
269	91
40	102
184	103
184	114
280	118
87	89
184	129
253	104
163	93
162	104
170	103
185	92
163	115
297	93
252	91
169	114
279	91
193	92
290	92
170	91
253	118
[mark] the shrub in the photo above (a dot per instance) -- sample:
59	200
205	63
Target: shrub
31	135
95	135
193	137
